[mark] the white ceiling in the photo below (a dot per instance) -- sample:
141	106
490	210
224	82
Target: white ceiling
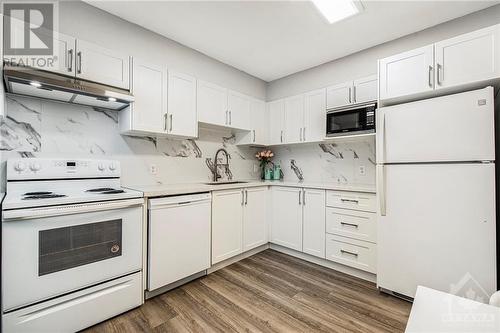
272	39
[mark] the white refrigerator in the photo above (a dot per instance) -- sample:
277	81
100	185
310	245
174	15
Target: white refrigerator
436	194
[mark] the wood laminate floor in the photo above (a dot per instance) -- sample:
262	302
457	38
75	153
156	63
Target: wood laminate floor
268	292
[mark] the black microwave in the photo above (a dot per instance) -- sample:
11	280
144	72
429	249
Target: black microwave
358	119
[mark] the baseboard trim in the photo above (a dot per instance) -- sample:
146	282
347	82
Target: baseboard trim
326	263
237	258
150	294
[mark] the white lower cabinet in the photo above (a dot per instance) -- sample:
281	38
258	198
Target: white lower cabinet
239	221
351	229
313	202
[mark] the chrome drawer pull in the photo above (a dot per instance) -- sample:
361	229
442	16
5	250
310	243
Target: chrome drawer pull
349	200
350	224
348	252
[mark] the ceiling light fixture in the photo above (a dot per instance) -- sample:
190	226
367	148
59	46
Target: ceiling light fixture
337	10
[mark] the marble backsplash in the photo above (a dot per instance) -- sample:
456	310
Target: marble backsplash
37	128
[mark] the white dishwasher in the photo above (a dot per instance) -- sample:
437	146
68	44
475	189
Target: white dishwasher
178	238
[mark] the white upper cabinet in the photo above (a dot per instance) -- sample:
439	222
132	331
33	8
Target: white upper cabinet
314	203
255	227
212	104
181	120
468	58
238	108
411	72
259	125
65	61
338	95
294	119
365	89
96	63
286	217
314	116
147	114
276	115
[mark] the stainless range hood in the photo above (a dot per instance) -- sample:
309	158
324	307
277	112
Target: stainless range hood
37	83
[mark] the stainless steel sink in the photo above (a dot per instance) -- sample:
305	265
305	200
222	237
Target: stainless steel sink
226	183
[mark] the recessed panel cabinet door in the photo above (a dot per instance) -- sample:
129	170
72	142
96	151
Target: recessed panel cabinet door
294	118
98	64
212	104
182	119
338	95
255	227
468	58
365	89
260	125
276	111
227	224
314	205
238	106
286	217
407	73
314	116
149	86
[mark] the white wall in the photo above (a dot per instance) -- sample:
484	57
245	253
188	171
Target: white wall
83	21
365	62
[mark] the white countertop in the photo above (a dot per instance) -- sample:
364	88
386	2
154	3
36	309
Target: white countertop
436	311
186	188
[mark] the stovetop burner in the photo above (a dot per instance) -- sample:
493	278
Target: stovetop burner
42	196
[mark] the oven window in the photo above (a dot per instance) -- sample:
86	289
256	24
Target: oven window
69	247
344	121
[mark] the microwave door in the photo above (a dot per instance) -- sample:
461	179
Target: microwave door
344	121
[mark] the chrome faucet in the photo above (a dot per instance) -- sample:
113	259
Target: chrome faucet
217	164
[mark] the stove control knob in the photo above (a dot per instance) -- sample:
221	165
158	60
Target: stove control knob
101	167
35	166
112	167
20	166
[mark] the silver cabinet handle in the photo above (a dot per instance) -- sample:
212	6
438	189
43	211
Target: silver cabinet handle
304	197
165	120
281	137
79	62
300	135
348	252
171	121
230	118
242	197
350	95
70	60
304	134
253	131
300	203
430	76
354	94
246	197
350	224
349	200
439	71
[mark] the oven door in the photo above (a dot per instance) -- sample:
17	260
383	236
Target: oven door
50	251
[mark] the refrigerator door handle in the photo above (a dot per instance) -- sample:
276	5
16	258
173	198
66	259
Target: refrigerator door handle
381	189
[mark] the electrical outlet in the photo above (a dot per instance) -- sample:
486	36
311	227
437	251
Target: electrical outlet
362	170
153	169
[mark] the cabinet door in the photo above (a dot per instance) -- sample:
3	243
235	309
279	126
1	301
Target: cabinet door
147	112
314	116
314	222
294	118
260	125
468	58
255	227
338	95
286	217
182	119
238	106
96	63
227	224
407	73
212	104
365	89
276	111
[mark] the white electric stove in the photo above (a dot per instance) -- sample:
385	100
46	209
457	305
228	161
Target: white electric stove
71	245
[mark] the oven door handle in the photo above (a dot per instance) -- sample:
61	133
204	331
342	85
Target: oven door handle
38	212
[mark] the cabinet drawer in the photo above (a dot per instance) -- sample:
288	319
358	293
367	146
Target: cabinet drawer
351	223
351	200
351	252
